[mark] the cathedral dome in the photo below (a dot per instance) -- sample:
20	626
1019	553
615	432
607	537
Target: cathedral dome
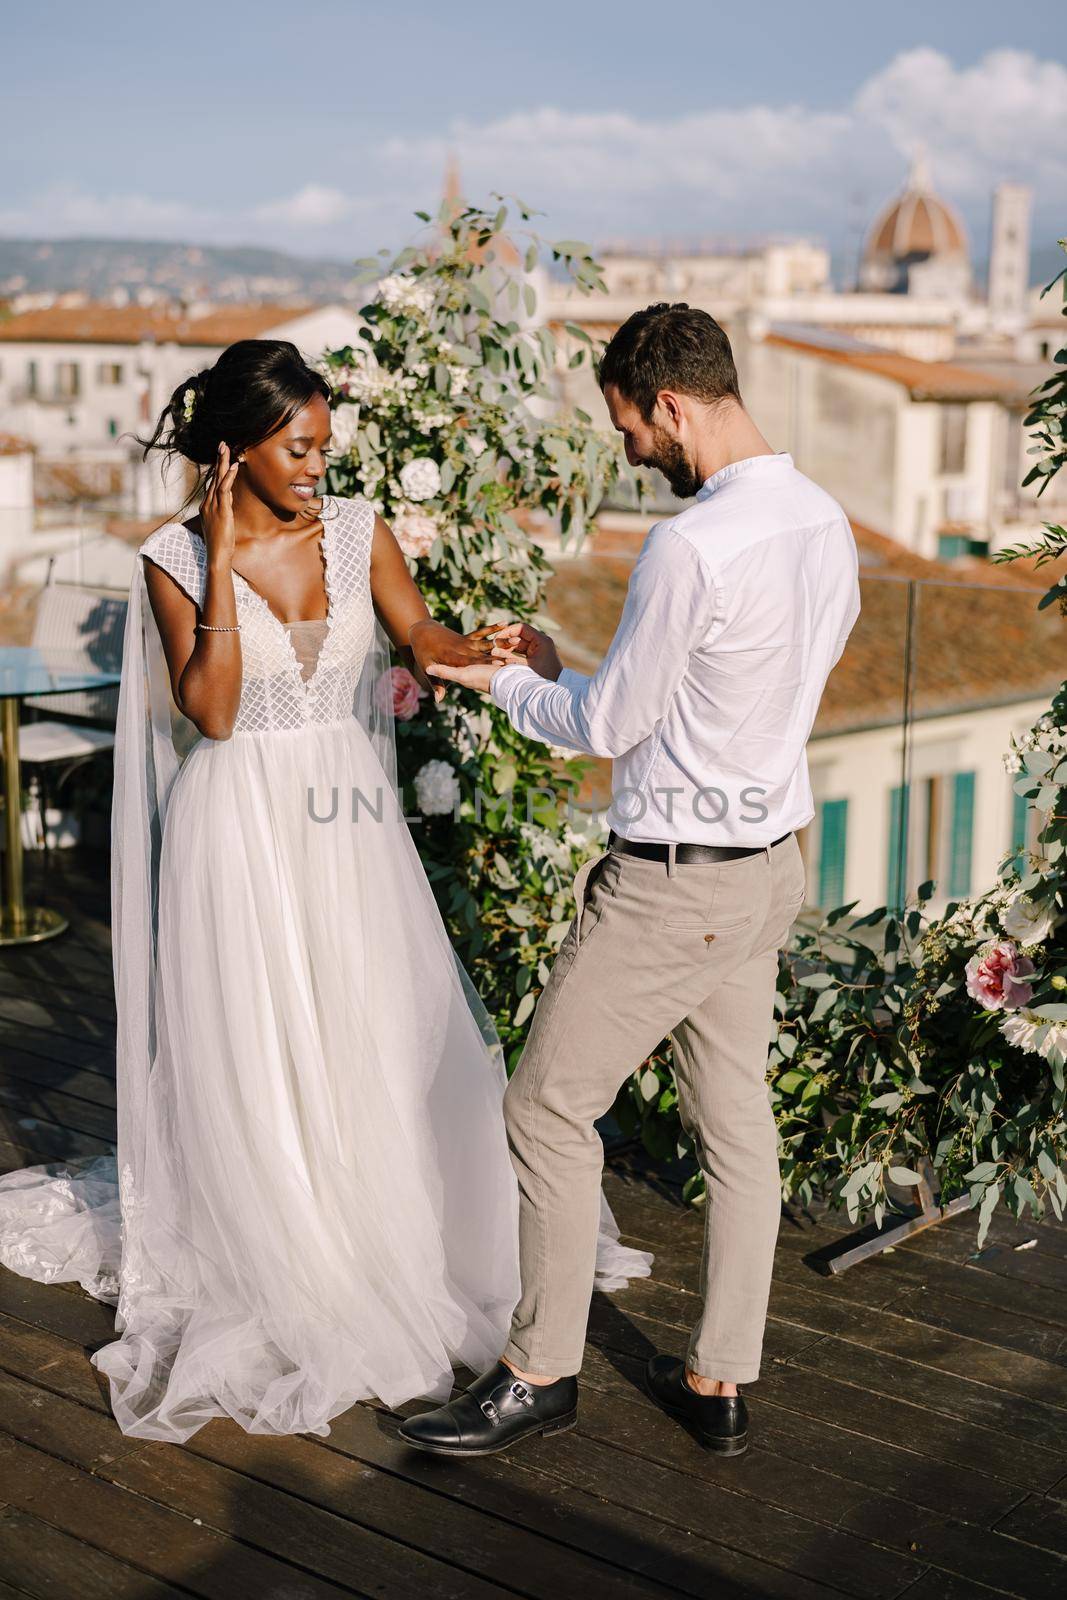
916	227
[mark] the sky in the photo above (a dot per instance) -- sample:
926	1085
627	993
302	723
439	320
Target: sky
320	126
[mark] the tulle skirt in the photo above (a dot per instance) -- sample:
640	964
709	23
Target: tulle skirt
328	1211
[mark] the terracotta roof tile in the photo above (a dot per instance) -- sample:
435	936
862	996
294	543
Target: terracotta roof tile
924	380
103	324
978	638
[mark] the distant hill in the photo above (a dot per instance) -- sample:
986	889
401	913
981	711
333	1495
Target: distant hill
102	268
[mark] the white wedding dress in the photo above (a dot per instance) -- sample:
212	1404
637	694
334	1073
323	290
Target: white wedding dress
311	1201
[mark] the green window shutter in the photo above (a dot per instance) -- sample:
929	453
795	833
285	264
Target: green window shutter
1020	817
833	824
959	870
897	851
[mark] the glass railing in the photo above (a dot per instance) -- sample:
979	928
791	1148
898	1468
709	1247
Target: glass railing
908	754
906	758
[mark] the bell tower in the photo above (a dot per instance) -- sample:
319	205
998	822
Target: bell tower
1009	253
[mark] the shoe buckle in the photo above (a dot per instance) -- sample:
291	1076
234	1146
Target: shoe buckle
489	1410
522	1394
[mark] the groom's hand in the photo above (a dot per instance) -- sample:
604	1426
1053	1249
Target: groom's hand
518	643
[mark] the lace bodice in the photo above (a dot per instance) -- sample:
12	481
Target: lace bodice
307	636
274	692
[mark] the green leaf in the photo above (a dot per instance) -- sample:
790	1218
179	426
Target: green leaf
649	1084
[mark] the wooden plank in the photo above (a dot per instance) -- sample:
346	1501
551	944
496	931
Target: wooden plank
30	1146
528	1491
164	1544
64	992
56	1108
1031	1387
832	1440
52	1046
87	1083
577	1525
50	1565
887	1412
20	1013
894	1521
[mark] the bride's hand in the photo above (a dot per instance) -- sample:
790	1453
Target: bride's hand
432	641
216	508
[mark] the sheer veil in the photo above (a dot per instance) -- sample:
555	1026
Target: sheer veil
79	1220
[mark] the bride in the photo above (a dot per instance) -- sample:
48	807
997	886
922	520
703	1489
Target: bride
311	1201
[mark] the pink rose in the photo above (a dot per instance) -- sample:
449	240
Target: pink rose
398	691
993	977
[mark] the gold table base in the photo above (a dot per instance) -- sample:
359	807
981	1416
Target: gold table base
30	925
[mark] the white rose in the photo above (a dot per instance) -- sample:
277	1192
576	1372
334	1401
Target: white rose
1021	919
1021	1027
415	531
436	788
345	426
476	444
420	479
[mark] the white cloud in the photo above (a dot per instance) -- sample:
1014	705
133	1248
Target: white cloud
1004	116
754	169
314	206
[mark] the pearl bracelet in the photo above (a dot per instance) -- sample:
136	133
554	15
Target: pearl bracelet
212	627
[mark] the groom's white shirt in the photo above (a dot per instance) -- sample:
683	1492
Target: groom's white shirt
736	611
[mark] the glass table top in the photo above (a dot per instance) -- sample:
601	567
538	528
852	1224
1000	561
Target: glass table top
34	669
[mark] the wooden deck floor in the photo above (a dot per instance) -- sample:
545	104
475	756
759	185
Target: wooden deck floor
909	1429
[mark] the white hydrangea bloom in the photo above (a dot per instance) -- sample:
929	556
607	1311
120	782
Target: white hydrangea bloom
420	479
402	293
436	788
459	378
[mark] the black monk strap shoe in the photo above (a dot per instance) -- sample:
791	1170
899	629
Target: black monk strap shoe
497	1410
720	1421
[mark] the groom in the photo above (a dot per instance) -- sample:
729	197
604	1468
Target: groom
736	611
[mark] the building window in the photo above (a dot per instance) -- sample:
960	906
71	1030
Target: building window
1026	825
833	828
953	438
68	380
897	863
950	545
109	373
961	839
112	427
931	837
31	379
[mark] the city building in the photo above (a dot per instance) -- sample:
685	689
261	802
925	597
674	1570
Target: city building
79	381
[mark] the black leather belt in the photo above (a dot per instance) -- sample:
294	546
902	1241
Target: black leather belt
686	852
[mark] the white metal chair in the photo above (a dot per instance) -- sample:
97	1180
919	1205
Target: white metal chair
87	625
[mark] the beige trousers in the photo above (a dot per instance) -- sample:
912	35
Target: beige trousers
688	949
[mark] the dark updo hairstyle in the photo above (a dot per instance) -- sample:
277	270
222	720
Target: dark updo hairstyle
255	387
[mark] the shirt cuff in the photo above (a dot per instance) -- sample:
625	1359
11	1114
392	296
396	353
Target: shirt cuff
506	675
574	681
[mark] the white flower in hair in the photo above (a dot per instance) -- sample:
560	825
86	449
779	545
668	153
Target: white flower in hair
188	404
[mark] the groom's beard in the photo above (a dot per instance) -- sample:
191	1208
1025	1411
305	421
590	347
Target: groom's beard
669	457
